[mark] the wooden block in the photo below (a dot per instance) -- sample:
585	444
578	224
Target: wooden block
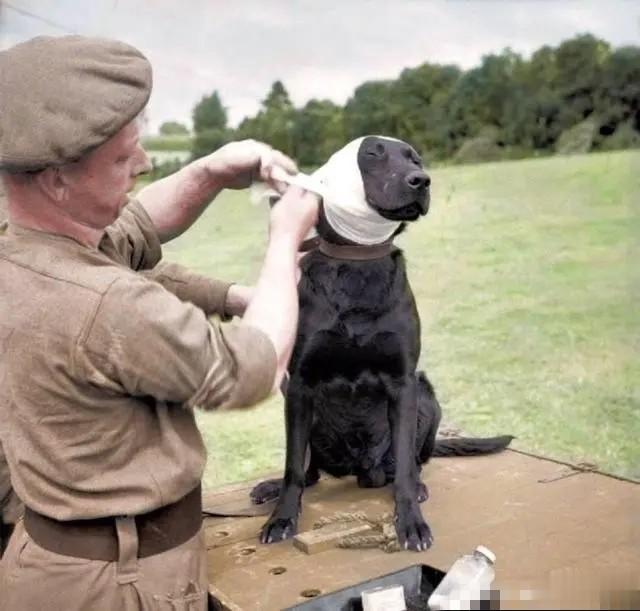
320	539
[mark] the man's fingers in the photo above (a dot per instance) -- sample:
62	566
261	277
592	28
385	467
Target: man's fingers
286	163
272	163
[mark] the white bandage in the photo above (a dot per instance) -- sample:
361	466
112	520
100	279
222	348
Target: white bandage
339	183
345	205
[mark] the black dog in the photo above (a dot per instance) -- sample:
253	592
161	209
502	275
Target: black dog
355	404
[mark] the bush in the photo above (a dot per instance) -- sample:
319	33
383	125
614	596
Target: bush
625	137
209	140
483	147
161	170
168	143
578	138
173	128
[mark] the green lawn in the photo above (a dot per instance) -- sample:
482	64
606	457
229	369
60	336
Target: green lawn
526	277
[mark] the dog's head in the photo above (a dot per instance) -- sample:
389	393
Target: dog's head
395	183
371	187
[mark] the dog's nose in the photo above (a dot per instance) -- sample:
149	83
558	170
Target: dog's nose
417	180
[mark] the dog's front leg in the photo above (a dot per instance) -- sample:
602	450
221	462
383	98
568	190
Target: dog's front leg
413	532
283	522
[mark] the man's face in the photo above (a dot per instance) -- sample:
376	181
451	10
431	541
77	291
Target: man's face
98	184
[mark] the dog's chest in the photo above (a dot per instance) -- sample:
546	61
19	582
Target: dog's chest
355	317
352	291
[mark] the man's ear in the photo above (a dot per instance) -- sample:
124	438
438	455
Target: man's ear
52	182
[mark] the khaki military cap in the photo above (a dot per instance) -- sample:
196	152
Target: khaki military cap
60	97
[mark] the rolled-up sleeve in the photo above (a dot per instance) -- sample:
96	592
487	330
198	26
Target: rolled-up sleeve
255	361
144	341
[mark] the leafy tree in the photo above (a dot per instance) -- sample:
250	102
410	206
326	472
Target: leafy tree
373	109
422	96
209	125
274	123
209	113
485	96
277	99
318	131
580	64
505	107
533	111
619	96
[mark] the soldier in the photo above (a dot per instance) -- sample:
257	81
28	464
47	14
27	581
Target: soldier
212	296
101	366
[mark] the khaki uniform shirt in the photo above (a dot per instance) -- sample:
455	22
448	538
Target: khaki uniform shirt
134	226
101	367
10	506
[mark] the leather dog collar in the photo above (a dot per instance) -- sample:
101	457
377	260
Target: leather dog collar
355	252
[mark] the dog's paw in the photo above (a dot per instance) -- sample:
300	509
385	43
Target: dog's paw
278	529
413	532
266	491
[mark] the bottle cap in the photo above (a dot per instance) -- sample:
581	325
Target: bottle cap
485	551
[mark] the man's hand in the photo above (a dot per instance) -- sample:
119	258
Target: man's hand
295	213
238	164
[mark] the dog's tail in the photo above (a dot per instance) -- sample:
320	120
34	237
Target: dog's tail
471	446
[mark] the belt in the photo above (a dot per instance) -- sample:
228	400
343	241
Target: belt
158	531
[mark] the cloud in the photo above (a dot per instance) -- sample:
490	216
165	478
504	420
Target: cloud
318	49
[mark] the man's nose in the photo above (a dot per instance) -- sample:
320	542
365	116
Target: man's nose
417	180
143	164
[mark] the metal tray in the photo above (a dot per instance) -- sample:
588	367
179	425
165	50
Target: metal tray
418	580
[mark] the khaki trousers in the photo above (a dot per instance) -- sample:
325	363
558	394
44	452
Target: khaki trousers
34	579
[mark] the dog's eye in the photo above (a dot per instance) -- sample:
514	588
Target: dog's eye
412	156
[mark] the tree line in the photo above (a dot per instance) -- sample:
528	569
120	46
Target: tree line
581	95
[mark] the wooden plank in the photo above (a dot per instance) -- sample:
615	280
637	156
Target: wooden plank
220	532
539	531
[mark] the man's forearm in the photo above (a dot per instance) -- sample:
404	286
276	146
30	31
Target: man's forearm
274	306
209	294
175	202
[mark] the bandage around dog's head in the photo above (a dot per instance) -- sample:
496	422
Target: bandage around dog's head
345	204
339	183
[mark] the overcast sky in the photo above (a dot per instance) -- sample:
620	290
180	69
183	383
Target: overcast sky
319	48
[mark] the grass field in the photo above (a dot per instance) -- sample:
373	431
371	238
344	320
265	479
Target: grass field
527	279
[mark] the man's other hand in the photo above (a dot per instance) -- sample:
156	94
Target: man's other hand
238	164
295	213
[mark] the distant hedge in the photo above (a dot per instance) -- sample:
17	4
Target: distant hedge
168	143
